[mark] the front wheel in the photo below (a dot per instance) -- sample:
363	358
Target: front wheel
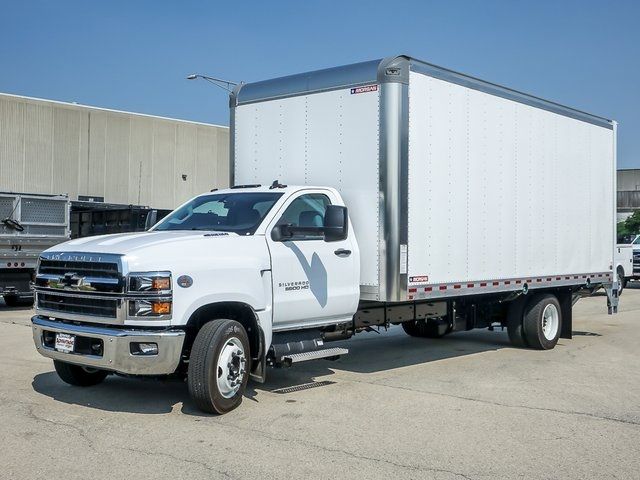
77	375
219	366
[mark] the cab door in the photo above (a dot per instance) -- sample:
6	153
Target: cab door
314	282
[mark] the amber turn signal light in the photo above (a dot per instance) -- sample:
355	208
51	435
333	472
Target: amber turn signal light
161	283
161	308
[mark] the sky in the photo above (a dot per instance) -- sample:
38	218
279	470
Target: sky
135	55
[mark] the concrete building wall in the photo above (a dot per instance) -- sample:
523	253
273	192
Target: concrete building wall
55	147
629	179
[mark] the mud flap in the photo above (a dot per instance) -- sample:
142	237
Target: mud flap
566	310
612	298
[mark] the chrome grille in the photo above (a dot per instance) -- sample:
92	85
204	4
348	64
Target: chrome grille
92	269
86	274
77	285
78	305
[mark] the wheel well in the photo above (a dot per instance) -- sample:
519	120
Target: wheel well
620	269
240	312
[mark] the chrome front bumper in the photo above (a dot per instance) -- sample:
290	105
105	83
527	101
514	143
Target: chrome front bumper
116	351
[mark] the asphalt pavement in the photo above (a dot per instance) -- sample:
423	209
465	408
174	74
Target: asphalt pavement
468	406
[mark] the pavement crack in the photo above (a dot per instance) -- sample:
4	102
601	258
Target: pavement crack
204	465
30	410
506	405
350	454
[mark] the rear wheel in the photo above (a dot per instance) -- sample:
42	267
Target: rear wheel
431	328
77	375
542	322
219	366
622	283
16	301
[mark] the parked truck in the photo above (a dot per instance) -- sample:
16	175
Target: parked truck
29	224
405	194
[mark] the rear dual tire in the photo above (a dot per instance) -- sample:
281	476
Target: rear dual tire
538	325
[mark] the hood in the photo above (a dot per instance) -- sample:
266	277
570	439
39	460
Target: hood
128	243
176	250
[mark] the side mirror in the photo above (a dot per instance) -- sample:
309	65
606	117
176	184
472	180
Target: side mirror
151	220
280	233
336	223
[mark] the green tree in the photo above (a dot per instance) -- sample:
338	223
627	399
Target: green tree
631	226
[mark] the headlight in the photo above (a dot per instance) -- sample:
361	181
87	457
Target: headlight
146	282
149	308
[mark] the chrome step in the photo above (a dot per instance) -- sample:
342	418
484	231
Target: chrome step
314	355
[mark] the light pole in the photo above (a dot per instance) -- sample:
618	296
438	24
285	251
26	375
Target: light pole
218	82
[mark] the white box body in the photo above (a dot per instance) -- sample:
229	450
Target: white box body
455	186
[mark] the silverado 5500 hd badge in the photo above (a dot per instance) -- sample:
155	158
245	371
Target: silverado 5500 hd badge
293	286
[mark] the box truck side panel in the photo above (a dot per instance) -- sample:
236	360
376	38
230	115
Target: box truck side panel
499	189
328	139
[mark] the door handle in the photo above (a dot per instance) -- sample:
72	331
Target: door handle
341	252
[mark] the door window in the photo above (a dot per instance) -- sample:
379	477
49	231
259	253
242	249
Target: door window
306	211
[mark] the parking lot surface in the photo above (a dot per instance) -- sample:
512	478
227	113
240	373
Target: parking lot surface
468	406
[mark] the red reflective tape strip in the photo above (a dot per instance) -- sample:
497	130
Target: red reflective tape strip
538	279
518	282
470	285
457	286
410	297
508	282
558	278
483	284
428	289
413	290
443	287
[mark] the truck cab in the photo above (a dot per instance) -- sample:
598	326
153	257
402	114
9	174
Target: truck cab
265	259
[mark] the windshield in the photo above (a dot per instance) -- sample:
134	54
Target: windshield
228	212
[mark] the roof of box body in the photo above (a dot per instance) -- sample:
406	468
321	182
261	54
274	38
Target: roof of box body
390	70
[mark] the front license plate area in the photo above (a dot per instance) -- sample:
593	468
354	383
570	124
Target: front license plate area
65	342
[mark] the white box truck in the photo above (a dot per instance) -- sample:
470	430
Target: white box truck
405	193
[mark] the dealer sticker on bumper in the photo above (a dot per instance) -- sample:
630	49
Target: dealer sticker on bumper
65	342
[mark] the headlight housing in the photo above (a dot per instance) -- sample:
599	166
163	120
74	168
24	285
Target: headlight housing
149	308
150	295
150	282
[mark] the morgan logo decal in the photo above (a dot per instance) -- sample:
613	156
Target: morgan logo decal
419	279
365	89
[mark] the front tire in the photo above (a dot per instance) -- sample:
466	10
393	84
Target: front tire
79	376
542	322
219	366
